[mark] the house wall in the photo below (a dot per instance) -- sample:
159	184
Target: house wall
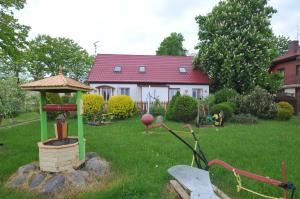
290	76
139	93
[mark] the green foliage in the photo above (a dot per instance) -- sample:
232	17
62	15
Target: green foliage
170	107
281	43
92	104
236	44
273	82
224	95
172	45
121	106
185	108
231	104
12	39
11	97
244	119
285	105
258	103
283	114
157	109
226	108
45	54
53	98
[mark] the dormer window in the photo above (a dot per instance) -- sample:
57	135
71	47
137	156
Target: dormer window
182	69
142	69
117	68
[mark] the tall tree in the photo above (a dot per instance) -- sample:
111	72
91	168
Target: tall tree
12	38
281	44
45	54
172	45
236	43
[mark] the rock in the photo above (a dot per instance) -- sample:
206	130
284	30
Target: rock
85	174
90	155
159	119
26	168
53	184
36	180
96	165
18	180
76	179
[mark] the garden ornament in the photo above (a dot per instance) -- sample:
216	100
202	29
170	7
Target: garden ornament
197	180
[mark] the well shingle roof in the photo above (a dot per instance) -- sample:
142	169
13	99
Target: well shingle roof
159	69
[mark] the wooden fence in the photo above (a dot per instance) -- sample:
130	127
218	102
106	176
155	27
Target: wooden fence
142	106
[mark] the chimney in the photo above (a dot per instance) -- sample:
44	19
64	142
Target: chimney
293	46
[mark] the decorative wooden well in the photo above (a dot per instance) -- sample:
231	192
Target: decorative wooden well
63	152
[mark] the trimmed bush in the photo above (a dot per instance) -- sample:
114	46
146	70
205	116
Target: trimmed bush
157	109
224	95
185	108
170	107
53	98
92	104
284	114
244	119
226	108
121	106
285	105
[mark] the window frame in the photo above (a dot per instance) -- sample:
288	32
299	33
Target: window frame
142	71
198	93
117	66
173	89
182	70
126	89
297	69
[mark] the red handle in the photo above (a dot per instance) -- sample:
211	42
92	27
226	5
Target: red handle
245	173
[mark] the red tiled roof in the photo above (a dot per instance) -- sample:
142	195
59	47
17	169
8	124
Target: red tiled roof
287	56
159	69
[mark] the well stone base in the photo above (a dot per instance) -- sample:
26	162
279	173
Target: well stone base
58	158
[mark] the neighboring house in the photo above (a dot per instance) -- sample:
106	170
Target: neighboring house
114	74
289	65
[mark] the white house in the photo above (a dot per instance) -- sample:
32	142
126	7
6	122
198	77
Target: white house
115	74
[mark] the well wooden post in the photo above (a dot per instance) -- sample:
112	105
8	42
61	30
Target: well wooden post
44	131
80	126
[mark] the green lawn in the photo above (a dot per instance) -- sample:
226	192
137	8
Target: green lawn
139	162
22	117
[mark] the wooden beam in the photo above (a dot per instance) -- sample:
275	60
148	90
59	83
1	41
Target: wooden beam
179	189
80	126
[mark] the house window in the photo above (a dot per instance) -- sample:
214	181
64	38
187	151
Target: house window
197	93
125	91
172	92
298	70
182	69
117	68
142	69
106	92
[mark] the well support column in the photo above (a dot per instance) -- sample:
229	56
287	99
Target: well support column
80	126
44	131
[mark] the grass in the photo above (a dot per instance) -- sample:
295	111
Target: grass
22	117
140	161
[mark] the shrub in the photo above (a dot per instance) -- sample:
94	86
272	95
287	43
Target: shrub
92	104
285	105
157	109
244	119
53	98
283	114
170	107
224	95
231	104
226	108
185	108
121	106
259	103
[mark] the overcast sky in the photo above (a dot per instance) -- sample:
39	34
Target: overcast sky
134	26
